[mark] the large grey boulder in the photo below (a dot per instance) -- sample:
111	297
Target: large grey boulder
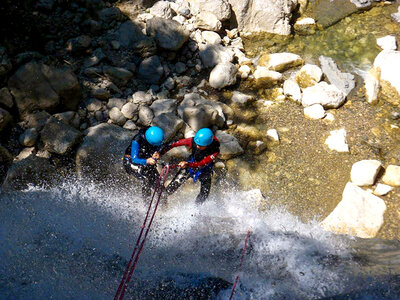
230	146
359	213
168	34
343	81
164	106
38	86
130	36
32	170
59	137
212	55
151	70
99	156
223	74
199	112
170	123
220	8
262	15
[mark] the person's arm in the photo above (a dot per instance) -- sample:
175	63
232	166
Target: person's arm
135	154
205	161
182	142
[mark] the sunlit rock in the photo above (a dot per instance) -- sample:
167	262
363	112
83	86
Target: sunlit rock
371	84
212	55
292	90
308	75
146	115
223	75
280	61
392	175
305	26
241	98
359	213
272	16
244	71
387	42
337	141
256	147
396	16
328	95
208	21
364	172
315	112
273	135
211	37
382	189
168	34
230	147
170	123
162	9
388	62
220	8
163	106
266	77
343	81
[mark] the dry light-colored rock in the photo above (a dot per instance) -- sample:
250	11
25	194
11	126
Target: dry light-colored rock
392	175
364	172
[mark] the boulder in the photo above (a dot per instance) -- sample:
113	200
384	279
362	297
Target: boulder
131	37
116	116
162	9
305	26
308	75
6	98
101	94
328	95
6	160
146	115
223	75
32	170
392	175
164	106
220	8
211	37
116	102
266	77
41	87
337	141
29	137
170	123
37	120
387	63
359	213
343	81
230	146
315	111
142	98
59	137
93	105
168	34
387	42
199	112
208	21
129	110
69	117
364	172
99	156
5	118
280	61
120	76
241	99
79	44
151	70
212	55
272	16
292	90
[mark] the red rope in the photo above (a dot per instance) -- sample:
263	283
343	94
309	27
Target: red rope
138	249
241	263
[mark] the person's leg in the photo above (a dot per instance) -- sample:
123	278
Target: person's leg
149	183
179	179
205	186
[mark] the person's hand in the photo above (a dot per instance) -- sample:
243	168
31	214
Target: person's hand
156	155
183	164
151	161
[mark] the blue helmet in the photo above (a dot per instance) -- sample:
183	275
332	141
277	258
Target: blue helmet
203	137
154	135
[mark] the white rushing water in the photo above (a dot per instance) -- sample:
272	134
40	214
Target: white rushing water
73	242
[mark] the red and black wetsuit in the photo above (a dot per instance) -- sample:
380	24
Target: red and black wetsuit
199	166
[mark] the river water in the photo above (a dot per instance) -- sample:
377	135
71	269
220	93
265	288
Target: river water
73	242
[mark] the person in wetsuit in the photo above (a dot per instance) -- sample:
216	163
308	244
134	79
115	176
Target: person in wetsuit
204	147
141	156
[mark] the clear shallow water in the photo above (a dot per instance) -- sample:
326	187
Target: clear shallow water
74	241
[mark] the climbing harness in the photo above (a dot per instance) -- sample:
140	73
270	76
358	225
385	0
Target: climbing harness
140	241
241	263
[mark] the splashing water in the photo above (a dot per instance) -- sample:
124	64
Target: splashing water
73	241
